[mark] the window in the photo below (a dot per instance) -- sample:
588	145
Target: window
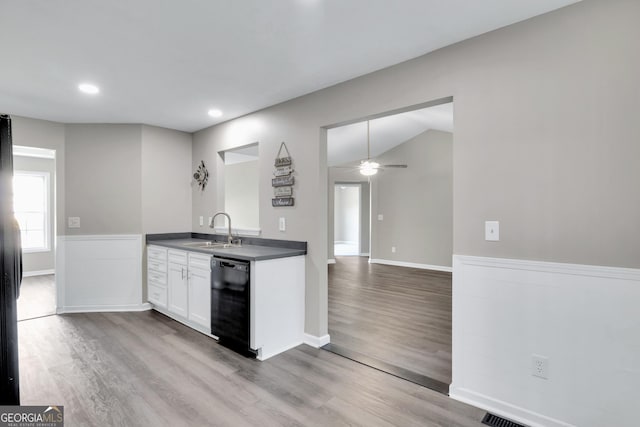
31	208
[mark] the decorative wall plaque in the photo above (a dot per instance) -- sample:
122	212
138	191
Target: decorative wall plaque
283	182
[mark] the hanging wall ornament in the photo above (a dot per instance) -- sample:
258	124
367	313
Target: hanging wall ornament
201	175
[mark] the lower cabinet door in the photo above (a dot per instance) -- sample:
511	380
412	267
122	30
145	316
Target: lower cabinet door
178	290
200	296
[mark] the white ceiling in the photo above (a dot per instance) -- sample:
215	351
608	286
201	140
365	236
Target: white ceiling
166	63
348	144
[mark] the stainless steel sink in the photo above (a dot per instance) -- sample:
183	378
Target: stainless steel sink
210	245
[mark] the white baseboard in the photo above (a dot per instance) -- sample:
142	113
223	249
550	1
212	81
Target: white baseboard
331	261
315	341
103	308
365	254
504	409
411	264
38	273
263	355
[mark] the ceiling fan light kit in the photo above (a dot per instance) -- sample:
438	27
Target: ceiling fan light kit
369	168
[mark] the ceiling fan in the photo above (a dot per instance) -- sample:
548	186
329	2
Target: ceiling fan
369	167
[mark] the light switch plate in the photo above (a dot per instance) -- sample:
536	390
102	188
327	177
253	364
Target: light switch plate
73	222
201	221
282	224
492	231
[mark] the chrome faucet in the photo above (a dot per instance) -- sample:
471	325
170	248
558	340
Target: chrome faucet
230	239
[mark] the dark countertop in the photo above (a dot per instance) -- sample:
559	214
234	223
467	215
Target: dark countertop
249	251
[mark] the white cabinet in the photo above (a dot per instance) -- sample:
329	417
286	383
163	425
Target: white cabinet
177	278
199	284
157	276
179	285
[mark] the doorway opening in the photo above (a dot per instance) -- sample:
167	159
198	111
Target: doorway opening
35	209
347	219
390	307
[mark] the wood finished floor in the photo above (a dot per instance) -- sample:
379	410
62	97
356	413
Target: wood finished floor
399	315
37	297
144	369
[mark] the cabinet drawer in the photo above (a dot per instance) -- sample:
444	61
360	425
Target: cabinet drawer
159	266
157	277
200	261
157	295
179	257
157	253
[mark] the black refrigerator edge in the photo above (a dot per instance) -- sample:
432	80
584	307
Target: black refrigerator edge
10	272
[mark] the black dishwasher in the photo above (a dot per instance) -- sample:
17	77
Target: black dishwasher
230	303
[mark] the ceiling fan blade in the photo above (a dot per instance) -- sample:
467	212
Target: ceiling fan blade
394	166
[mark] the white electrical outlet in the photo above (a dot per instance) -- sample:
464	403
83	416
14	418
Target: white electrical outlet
393	249
539	366
73	222
201	221
492	231
282	224
380	217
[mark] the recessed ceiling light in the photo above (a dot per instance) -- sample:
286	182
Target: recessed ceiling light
89	88
215	113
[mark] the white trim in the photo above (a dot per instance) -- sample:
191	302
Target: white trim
103	308
365	254
101	237
38	273
315	341
41	153
262	355
552	267
545	293
411	264
63	285
504	409
331	261
237	231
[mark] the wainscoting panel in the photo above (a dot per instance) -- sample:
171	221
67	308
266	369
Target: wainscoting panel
584	319
100	273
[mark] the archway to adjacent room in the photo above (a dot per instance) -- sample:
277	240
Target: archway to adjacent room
390	308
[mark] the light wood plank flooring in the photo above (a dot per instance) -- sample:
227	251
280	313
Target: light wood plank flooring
37	297
144	369
398	315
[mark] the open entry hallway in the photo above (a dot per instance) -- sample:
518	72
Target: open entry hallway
397	317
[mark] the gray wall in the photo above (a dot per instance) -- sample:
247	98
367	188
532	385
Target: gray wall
545	142
103	166
40	261
416	203
166	180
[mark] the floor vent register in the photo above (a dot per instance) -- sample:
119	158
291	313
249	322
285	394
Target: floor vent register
496	421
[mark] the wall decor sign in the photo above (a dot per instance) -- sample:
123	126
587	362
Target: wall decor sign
283	191
282	201
201	175
283	182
